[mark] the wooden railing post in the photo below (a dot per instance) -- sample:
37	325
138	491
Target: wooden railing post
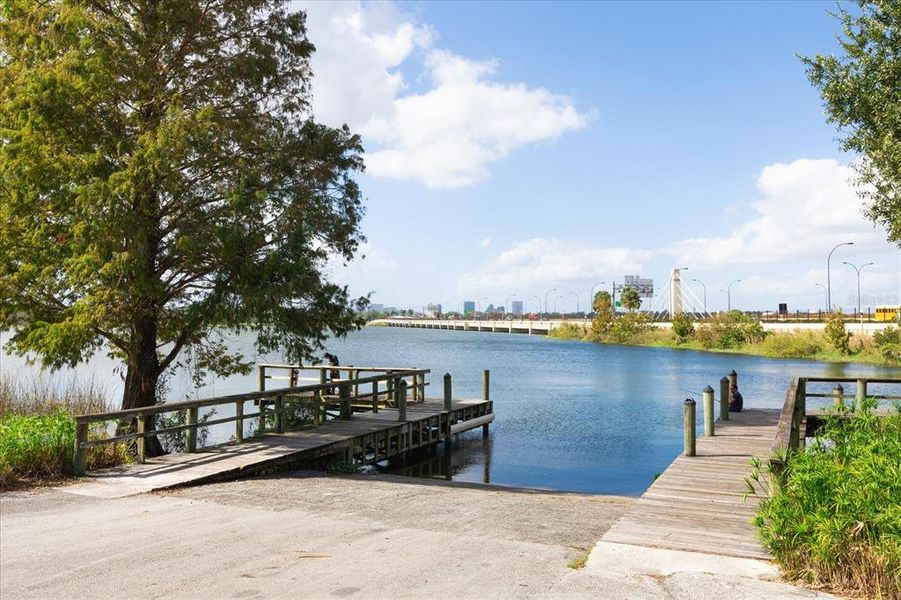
141	440
318	398
708	411
261	378
292	378
402	400
81	453
861	392
344	394
375	396
391	386
486	378
355	374
261	427
191	432
724	399
448	394
839	392
689	427
239	424
280	413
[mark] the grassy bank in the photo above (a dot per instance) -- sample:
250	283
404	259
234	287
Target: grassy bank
37	431
832	517
740	337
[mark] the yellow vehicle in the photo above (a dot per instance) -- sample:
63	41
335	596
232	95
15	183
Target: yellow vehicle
888	313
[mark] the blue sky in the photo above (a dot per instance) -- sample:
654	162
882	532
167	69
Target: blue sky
514	148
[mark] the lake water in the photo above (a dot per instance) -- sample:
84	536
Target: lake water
570	416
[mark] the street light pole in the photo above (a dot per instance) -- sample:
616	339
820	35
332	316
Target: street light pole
852	265
545	298
537	303
729	293
829	275
705	294
576	296
591	296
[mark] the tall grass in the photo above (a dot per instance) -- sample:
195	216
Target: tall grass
833	516
37	431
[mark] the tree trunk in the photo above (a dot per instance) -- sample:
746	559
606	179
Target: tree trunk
142	377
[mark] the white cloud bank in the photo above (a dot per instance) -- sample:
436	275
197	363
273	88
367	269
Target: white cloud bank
445	136
805	208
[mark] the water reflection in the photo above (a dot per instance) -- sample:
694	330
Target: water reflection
467	458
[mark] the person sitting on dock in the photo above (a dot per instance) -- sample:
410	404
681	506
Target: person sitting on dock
735	400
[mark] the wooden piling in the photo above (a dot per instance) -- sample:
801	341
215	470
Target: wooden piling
346	410
448	395
375	396
402	401
141	440
239	424
724	399
733	378
839	392
689	427
280	413
708	411
191	432
81	453
486	378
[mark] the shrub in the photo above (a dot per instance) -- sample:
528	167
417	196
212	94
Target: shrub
833	514
629	328
683	327
569	331
730	330
839	338
888	344
797	344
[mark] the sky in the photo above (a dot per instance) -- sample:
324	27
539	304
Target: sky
514	148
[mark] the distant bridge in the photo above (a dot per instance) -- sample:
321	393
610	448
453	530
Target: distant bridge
544	327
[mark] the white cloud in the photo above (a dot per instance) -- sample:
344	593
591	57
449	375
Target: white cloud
548	261
485	243
806	207
445	136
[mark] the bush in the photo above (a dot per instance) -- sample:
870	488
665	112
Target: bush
683	327
730	330
839	338
833	514
569	331
797	344
629	328
888	344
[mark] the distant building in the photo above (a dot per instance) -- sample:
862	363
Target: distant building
433	311
469	307
516	307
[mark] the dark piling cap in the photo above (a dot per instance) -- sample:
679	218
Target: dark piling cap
732	372
724	379
690	402
708	390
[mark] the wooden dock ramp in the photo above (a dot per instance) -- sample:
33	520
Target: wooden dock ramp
367	436
698	504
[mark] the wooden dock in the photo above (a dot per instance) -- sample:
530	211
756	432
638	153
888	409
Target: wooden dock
367	437
698	504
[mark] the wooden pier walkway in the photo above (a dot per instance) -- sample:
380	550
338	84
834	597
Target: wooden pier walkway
367	436
698	504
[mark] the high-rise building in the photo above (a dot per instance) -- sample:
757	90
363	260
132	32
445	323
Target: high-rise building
433	311
469	307
516	307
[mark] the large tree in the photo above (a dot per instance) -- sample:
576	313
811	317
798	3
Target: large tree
862	94
162	179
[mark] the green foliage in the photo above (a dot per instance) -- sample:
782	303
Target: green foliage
569	331
839	338
629	329
862	93
683	327
796	344
888	344
833	514
343	468
729	330
630	299
602	303
163	179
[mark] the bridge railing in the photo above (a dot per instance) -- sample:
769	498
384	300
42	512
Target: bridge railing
271	405
795	411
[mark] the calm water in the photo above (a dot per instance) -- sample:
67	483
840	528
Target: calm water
570	416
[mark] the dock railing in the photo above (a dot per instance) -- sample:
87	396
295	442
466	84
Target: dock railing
416	380
791	430
271	404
